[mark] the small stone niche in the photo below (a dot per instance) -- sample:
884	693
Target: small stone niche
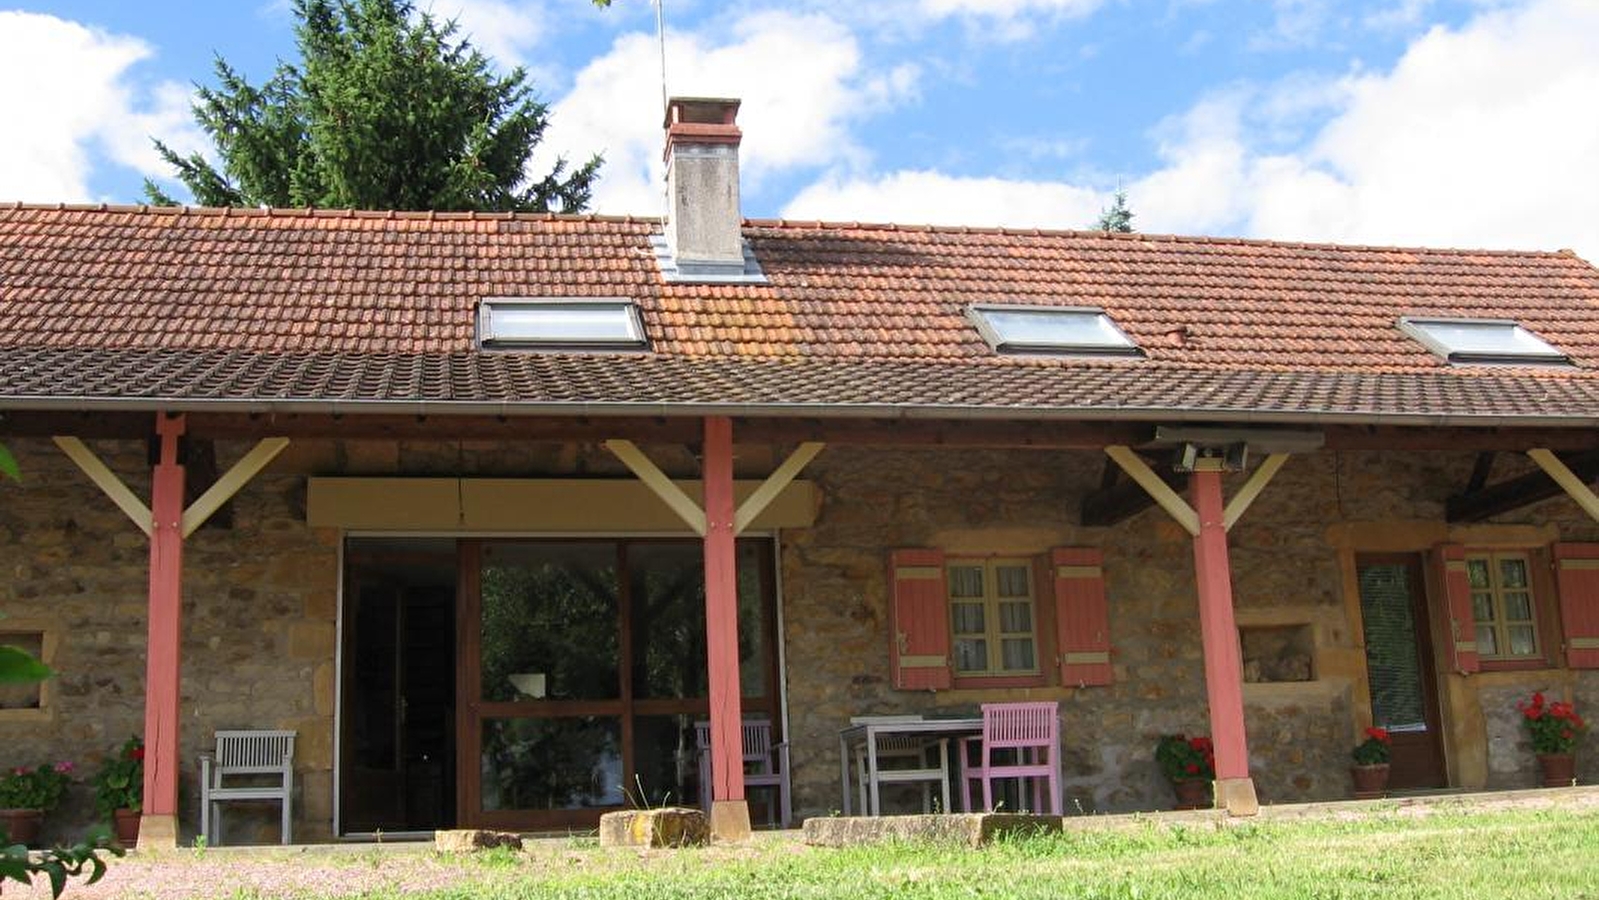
28	695
1278	653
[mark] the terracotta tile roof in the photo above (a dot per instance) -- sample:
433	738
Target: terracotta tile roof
130	304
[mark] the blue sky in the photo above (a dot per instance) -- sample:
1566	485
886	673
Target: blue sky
1443	122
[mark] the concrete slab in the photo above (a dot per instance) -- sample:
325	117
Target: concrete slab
967	829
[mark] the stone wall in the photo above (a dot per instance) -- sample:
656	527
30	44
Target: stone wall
1292	563
260	614
258	629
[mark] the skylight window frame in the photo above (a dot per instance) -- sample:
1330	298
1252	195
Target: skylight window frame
635	340
1415	327
976	314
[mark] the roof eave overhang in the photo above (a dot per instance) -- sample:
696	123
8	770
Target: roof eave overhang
270	406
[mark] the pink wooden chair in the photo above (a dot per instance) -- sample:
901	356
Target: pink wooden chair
1030	735
765	764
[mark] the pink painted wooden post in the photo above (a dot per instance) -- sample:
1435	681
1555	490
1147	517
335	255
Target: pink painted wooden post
1223	659
729	813
159	822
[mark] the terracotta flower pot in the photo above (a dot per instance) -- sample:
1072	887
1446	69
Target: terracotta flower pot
1558	769
125	822
21	826
1371	782
1193	793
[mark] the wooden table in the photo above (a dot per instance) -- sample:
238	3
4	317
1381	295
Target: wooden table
865	737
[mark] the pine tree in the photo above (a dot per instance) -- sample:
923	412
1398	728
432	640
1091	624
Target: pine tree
386	109
1118	217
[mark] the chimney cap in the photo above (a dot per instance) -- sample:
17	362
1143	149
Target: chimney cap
701	111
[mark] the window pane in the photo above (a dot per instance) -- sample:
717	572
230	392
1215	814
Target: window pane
1011	581
968	618
667	762
1477	572
1061	329
971	655
1512	573
1518	607
966	581
1522	642
571	763
550	627
1015	618
1398	698
610	323
1487	642
1018	653
1485	339
1482	607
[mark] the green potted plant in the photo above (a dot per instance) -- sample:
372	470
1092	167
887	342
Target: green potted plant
1370	771
1555	729
26	795
119	789
1190	764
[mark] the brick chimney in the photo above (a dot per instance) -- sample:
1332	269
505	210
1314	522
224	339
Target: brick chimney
703	238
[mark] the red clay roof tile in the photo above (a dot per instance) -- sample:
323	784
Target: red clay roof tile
1272	326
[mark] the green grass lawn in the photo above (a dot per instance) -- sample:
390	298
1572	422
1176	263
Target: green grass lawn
1522	854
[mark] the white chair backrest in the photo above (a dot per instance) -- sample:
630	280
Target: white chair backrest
255	751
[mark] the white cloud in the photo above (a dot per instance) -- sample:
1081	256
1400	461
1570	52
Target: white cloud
801	79
504	30
1481	136
65	91
933	198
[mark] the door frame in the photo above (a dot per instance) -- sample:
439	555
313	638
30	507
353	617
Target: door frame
1421	606
471	709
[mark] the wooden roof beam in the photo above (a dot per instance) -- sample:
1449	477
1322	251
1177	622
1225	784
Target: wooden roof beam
1514	493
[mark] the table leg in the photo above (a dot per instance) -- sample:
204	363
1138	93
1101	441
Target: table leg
943	764
843	770
871	769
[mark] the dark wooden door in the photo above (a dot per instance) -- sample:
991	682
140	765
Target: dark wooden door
397	745
1400	669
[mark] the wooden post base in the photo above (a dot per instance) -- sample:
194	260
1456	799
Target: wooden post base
1237	796
730	820
157	833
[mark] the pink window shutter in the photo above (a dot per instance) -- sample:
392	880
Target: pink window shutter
1577	576
1082	615
1460	638
919	643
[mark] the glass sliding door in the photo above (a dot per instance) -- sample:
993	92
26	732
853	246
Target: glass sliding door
584	672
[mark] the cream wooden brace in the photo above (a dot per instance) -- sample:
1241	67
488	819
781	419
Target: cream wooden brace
690	511
200	510
1176	506
1568	480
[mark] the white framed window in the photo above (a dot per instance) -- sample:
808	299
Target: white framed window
1065	330
993	626
560	323
1482	341
1503	605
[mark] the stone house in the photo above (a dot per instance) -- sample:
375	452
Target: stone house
493	509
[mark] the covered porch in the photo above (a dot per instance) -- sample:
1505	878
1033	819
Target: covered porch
359	525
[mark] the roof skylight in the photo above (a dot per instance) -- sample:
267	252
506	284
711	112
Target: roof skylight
1065	330
560	323
1488	341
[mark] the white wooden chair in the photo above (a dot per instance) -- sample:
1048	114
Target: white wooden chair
247	765
765	765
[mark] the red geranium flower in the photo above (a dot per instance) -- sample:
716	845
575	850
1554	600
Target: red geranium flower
136	754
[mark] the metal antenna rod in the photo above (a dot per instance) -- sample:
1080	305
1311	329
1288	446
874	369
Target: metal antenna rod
660	34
